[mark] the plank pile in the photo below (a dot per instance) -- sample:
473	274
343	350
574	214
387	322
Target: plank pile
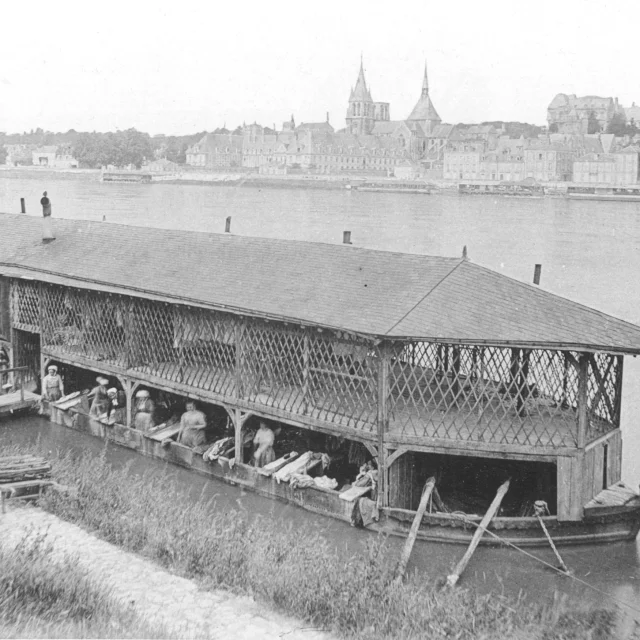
23	467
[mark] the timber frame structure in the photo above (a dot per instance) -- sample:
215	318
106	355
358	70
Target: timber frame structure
518	398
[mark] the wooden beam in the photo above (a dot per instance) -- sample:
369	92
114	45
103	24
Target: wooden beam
464	561
583	399
391	458
415	526
383	420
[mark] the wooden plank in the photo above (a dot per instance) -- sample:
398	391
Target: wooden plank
479	449
415	526
276	465
162	434
354	493
453	578
569	488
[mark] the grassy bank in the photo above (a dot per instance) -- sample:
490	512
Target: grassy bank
294	571
42	596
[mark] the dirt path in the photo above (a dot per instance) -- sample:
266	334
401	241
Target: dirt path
163	598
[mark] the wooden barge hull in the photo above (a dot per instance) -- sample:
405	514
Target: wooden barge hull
613	525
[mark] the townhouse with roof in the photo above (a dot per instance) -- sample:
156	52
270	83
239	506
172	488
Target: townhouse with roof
572	114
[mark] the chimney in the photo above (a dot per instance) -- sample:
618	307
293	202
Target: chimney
23	208
346	237
536	274
465	256
327	117
227	225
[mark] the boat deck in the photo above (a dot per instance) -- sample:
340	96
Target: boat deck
10	402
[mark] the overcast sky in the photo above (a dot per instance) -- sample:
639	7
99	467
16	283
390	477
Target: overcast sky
181	67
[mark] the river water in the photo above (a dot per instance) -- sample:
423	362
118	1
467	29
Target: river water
589	251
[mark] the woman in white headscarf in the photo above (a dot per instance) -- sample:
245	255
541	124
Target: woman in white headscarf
52	388
144	409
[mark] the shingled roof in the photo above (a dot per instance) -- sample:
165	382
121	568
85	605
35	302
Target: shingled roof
375	293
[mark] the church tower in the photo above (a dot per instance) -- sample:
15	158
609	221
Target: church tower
360	114
424	112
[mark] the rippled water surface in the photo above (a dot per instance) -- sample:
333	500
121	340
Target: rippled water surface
589	251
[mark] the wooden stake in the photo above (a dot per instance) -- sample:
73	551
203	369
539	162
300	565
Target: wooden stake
408	545
454	577
540	508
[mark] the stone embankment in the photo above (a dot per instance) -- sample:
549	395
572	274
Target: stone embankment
175	604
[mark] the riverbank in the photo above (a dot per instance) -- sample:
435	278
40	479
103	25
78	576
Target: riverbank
109	592
290	570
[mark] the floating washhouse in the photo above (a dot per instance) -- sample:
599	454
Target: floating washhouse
431	366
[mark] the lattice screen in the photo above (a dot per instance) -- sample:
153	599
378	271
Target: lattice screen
476	394
305	372
605	373
85	323
25	305
483	394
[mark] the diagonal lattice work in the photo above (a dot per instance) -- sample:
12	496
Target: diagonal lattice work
603	393
302	371
484	394
79	322
192	346
25	305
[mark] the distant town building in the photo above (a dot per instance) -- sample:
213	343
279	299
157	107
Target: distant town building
619	169
572	114
216	150
59	157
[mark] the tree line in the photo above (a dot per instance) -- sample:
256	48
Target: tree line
120	148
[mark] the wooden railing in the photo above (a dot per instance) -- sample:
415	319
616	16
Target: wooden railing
21	371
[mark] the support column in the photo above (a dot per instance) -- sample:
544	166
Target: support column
305	373
383	420
583	399
130	389
238	433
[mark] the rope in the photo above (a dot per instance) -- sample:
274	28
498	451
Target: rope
463	517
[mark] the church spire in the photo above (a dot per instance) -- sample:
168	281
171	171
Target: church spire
425	82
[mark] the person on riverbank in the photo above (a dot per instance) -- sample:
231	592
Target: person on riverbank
144	411
52	387
192	426
263	443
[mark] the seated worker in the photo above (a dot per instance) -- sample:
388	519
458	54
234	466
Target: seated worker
263	443
52	388
192	426
143	409
100	403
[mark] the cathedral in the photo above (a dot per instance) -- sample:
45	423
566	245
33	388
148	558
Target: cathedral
363	113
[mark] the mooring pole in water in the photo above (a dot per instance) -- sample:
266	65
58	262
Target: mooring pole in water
495	505
23	208
408	545
537	270
227	225
540	507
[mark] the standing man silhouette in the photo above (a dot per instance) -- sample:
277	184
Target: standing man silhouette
46	205
47	227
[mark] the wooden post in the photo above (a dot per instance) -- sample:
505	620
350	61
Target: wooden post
383	420
408	545
238	331
239	454
460	567
583	399
305	372
455	385
23	208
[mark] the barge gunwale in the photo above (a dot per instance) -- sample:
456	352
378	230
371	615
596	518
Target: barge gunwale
435	527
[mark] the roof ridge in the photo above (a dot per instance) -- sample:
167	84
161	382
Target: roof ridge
539	289
435	286
220	234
